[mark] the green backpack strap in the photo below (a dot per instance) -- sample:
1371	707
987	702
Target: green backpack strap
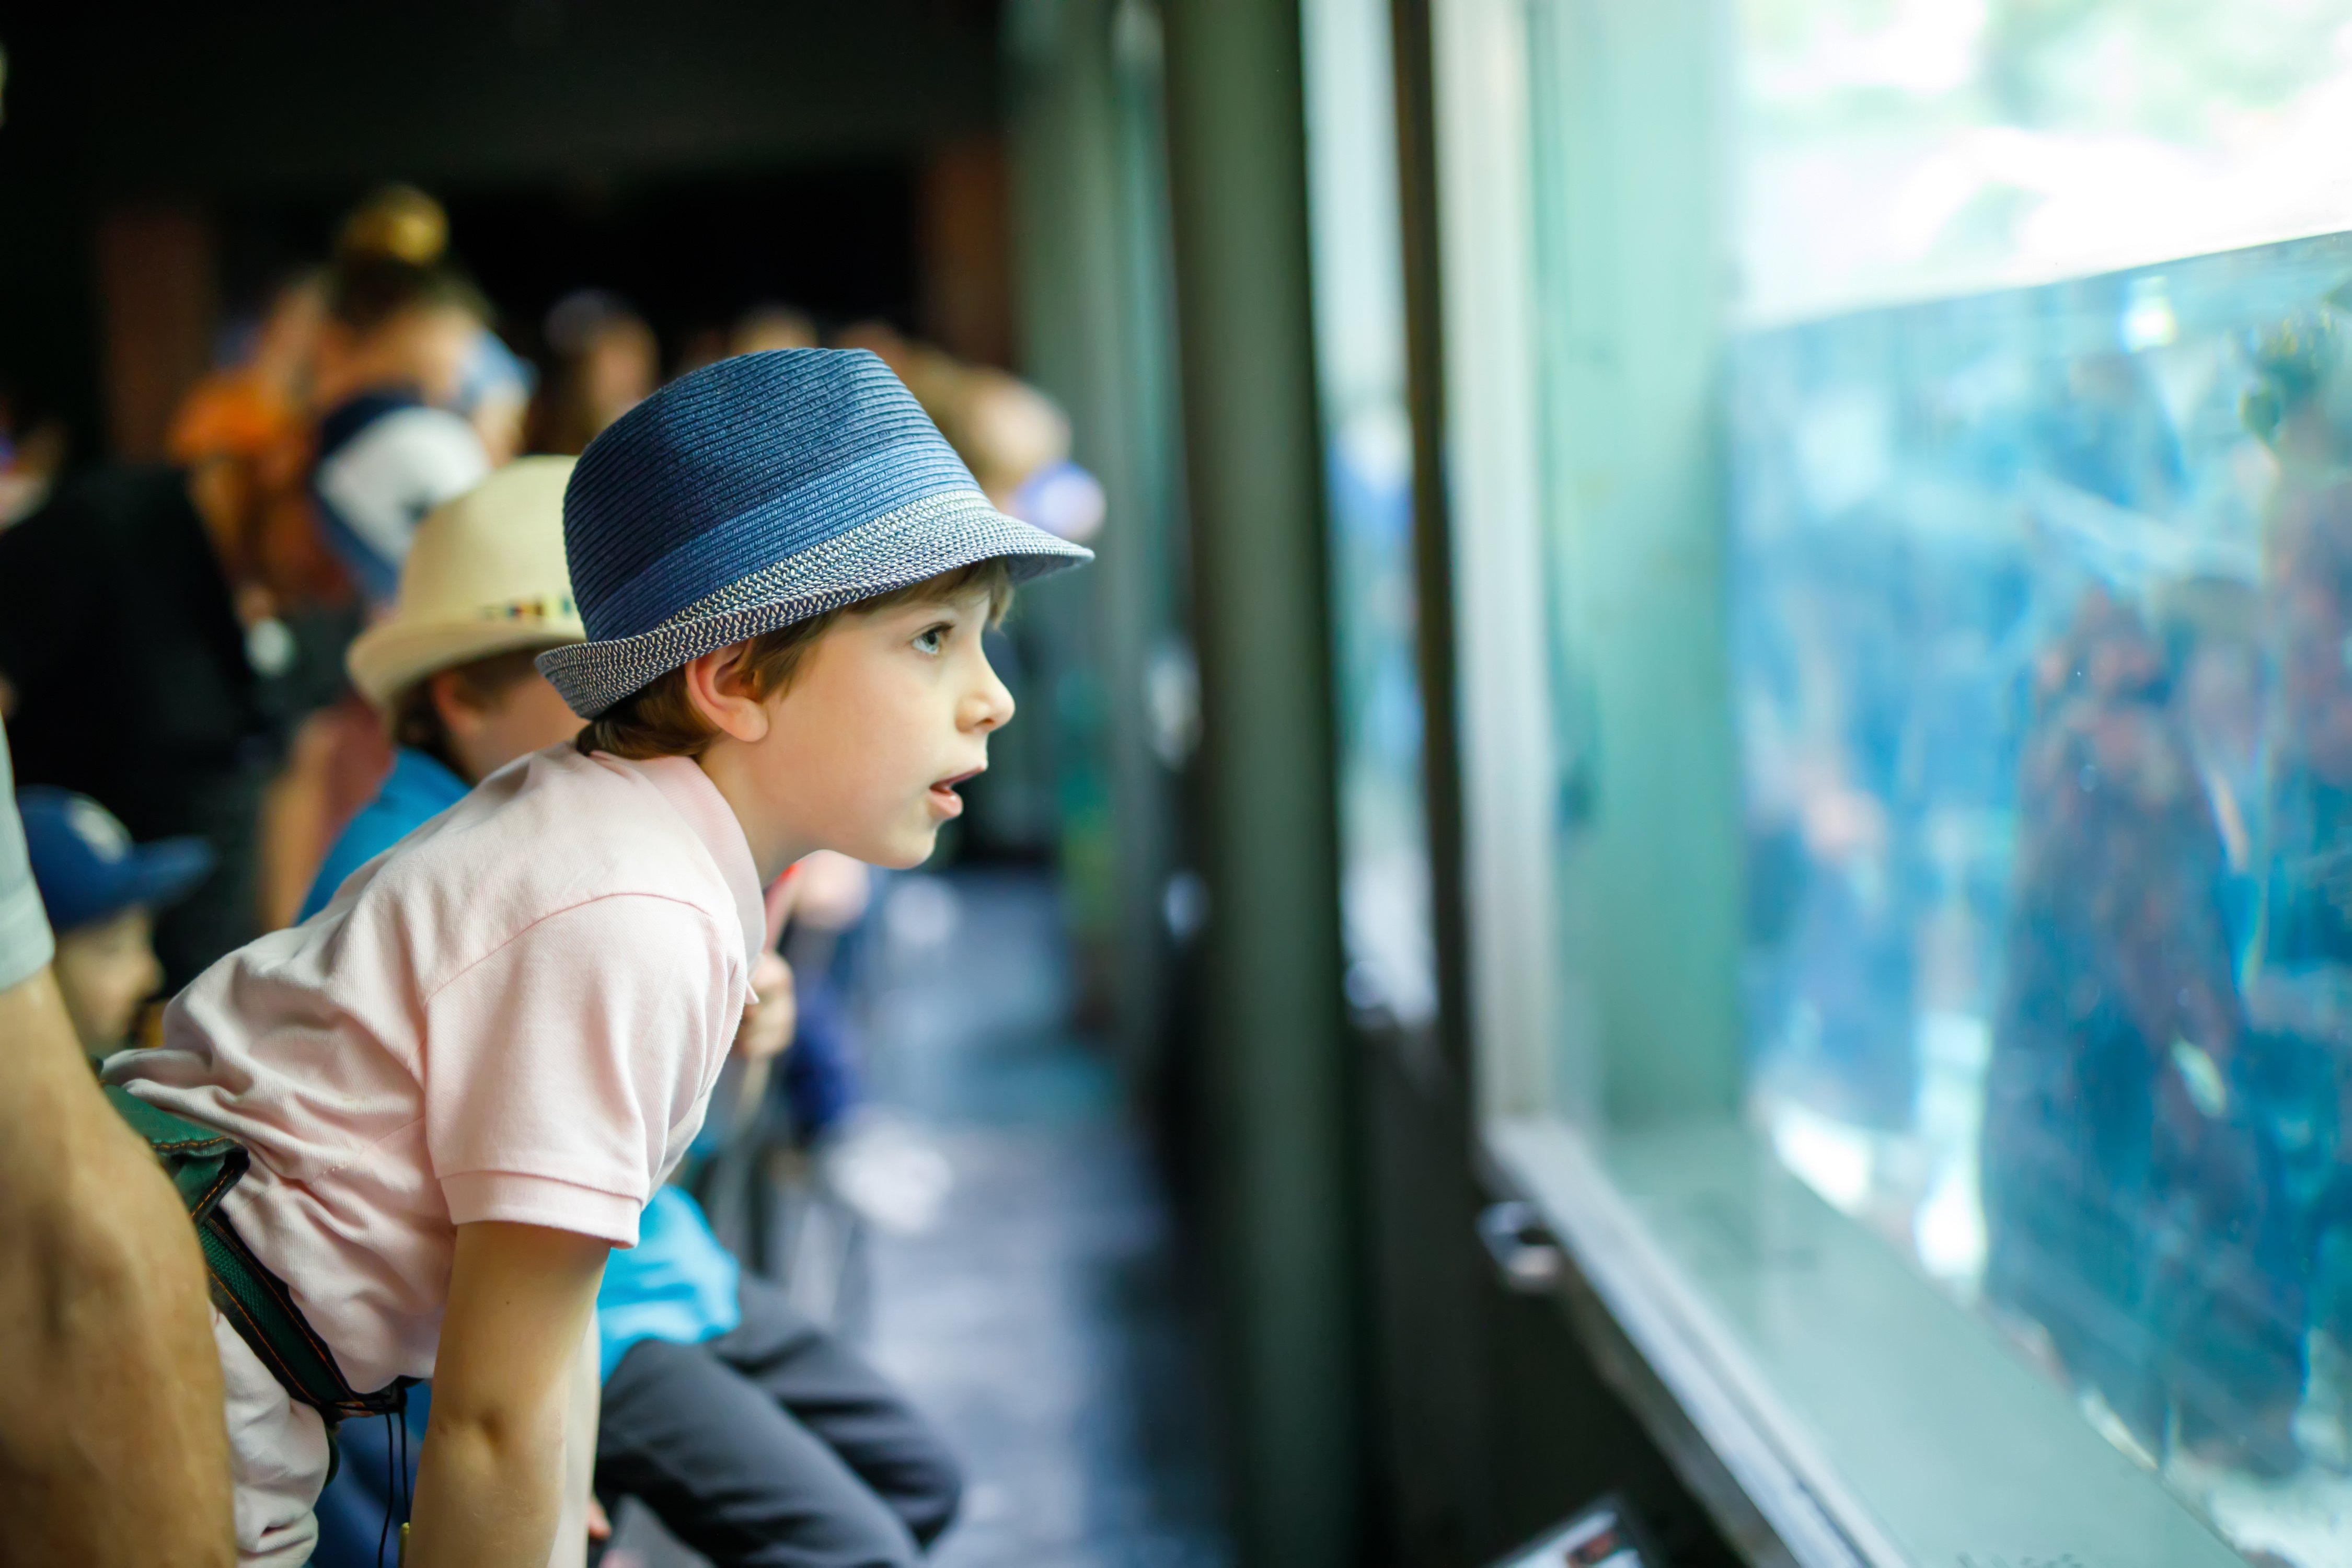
204	1164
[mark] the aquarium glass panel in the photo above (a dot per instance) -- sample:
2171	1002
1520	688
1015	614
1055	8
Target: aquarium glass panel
2043	627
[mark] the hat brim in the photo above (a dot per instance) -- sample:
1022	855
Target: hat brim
169	869
899	550
386	659
151	877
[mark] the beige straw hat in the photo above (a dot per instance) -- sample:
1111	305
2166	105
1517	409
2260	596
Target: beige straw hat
485	574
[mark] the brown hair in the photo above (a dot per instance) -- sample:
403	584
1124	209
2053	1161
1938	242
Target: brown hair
392	257
364	292
660	720
416	719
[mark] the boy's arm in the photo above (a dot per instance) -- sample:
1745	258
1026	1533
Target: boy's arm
581	1516
490	1487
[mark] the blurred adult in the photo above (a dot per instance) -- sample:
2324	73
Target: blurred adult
403	327
607	362
1015	439
112	1449
124	676
495	396
772	326
243	433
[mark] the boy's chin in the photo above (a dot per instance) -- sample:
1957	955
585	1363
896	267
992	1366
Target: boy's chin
903	852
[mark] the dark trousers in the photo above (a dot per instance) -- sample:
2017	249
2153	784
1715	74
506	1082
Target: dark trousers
773	1447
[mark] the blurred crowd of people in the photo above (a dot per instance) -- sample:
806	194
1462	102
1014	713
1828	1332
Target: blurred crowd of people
361	394
314	629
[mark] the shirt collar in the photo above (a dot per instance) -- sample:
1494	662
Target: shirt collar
694	797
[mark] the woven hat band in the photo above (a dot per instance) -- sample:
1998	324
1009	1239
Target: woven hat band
903	547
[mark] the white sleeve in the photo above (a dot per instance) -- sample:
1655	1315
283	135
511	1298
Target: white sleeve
25	944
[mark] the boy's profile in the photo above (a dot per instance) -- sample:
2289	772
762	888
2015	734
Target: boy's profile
460	1082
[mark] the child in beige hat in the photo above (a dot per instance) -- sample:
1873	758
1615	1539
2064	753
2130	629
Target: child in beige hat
484	590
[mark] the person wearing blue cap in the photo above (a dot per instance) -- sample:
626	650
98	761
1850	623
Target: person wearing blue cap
460	1081
101	892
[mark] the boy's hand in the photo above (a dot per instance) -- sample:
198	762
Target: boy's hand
768	1023
489	1492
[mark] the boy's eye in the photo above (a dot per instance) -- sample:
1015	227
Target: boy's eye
932	639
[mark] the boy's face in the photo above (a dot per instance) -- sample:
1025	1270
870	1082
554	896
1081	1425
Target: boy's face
105	972
886	714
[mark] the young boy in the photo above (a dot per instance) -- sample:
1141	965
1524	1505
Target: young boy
460	1082
101	892
752	1433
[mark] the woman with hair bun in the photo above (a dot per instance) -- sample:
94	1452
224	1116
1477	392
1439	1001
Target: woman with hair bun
403	325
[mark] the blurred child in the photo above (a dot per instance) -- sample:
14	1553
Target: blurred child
462	1080
102	891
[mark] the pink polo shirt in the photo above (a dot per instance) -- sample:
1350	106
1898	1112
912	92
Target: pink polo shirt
516	1014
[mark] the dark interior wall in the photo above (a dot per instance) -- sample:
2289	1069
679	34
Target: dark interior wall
459	92
689	251
793	131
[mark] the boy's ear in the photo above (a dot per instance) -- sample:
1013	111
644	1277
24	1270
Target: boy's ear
450	698
720	686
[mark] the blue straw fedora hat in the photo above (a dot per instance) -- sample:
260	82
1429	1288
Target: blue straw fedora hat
756	492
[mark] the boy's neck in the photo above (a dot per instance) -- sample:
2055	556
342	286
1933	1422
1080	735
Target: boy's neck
774	846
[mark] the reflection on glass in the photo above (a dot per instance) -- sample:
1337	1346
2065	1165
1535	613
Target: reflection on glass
1897	148
1360	354
2044	606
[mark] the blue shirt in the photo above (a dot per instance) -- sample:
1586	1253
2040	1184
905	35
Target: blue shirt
417	790
677	1283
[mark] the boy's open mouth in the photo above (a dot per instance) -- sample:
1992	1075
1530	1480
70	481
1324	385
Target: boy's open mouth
943	793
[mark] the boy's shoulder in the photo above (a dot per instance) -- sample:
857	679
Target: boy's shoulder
553	831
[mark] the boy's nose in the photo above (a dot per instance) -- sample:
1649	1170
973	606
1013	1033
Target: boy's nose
989	706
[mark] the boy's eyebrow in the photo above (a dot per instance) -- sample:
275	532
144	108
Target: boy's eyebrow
928	602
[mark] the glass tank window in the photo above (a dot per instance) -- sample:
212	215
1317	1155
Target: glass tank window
2043	664
2041	599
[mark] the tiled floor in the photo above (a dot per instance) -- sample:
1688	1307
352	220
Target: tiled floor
1037	1321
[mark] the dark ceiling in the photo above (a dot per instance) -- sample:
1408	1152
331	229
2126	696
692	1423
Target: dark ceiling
267	93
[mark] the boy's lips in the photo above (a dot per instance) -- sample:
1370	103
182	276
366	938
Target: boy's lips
944	798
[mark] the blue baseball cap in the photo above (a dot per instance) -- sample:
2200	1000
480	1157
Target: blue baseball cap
89	869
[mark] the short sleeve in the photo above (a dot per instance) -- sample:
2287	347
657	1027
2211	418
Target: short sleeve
25	943
559	1071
